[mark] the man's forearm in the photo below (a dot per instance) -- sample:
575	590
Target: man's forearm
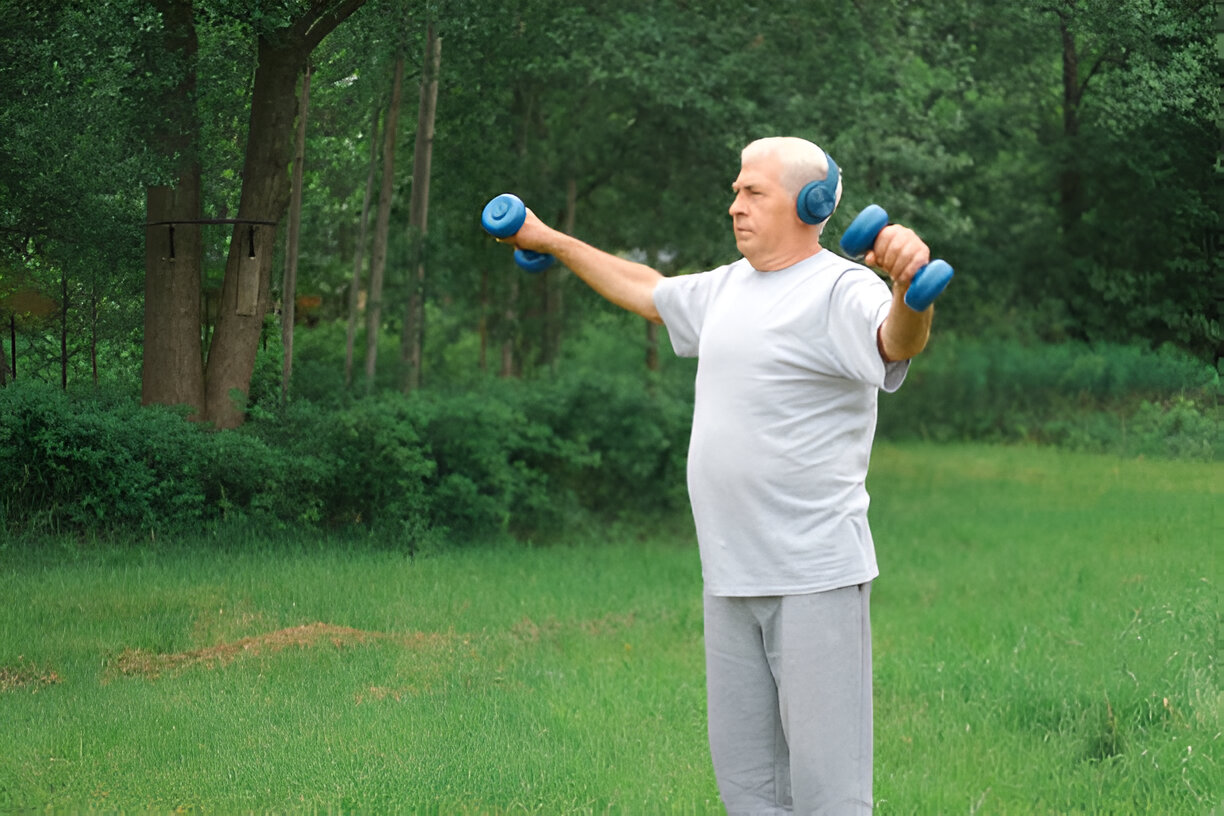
905	332
625	283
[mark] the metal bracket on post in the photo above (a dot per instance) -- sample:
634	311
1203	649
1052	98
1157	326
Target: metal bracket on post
248	265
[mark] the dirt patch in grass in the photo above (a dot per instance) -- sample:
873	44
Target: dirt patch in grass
26	676
153	664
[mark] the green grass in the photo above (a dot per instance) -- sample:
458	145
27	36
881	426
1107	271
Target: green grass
1045	640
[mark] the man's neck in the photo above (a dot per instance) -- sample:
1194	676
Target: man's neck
785	259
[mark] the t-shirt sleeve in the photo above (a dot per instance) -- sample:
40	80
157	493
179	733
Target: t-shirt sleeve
682	302
859	304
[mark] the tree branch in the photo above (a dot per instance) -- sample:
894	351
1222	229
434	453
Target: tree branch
1107	57
321	21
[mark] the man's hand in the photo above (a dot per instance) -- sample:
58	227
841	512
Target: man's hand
533	235
900	252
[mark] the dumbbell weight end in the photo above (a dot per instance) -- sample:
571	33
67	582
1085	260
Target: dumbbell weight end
503	217
927	283
531	261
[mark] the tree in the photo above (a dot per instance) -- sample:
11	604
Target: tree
359	251
173	363
1089	126
382	223
418	211
289	286
1060	154
283	44
72	99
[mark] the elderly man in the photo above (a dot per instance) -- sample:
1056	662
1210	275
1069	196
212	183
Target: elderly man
793	344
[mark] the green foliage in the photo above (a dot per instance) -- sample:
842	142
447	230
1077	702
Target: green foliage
507	457
491	457
75	463
959	127
365	464
637	441
1125	400
494	458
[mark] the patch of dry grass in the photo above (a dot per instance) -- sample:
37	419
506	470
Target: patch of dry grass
153	664
27	676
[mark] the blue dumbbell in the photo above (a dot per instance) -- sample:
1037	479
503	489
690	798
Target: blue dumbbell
927	283
503	217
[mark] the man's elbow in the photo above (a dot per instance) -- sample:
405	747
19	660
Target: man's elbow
896	355
895	349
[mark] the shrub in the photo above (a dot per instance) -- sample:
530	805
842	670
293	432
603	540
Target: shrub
636	432
524	457
1105	398
70	461
361	464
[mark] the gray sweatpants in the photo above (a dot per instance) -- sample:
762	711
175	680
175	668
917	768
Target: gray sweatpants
789	695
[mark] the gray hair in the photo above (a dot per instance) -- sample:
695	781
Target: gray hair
802	161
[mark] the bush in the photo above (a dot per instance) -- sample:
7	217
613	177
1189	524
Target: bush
1106	398
636	433
73	462
496	461
361	464
523	458
1178	428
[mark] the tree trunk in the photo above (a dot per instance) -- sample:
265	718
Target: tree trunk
172	371
554	287
93	335
1069	181
652	346
482	326
652	328
413	340
4	365
246	289
359	253
13	345
289	285
63	330
378	262
509	367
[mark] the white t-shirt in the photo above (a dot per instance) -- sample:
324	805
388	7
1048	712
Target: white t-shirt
787	378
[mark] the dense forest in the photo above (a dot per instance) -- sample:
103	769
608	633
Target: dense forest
187	187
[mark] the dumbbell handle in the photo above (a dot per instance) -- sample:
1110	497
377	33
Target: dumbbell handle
503	217
927	283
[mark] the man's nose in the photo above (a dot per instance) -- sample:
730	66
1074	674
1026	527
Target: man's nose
737	205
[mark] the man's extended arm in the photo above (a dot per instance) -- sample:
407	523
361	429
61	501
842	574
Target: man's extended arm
628	284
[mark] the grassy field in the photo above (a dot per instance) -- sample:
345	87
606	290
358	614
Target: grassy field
1045	630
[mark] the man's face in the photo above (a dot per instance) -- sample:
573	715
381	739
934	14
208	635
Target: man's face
763	213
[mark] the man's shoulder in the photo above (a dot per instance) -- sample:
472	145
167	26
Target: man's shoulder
845	273
712	279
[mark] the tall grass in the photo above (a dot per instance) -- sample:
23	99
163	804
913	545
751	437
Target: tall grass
1045	635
